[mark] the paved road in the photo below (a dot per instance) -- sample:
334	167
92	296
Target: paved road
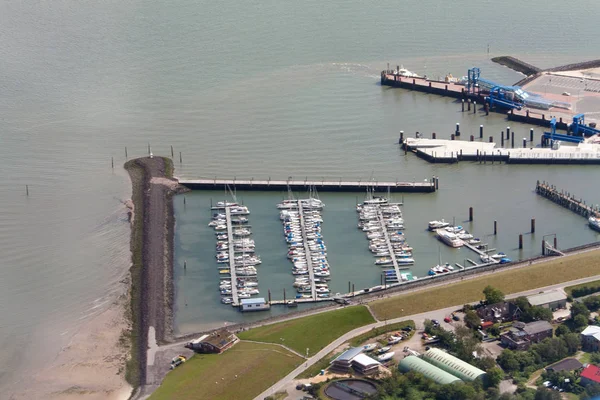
418	318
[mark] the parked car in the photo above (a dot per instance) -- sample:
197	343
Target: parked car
407	329
455	317
435	322
177	361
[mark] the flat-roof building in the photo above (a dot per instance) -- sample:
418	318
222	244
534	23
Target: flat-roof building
343	362
257	304
590	338
365	365
216	342
552	299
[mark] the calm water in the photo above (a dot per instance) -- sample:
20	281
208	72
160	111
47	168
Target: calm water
258	89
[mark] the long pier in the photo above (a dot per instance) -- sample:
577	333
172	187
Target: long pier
428	186
389	243
311	273
566	200
234	292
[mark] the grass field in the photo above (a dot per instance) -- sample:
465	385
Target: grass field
314	331
213	376
539	275
360	339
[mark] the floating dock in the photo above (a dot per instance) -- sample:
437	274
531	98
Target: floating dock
389	244
428	186
452	151
232	272
311	273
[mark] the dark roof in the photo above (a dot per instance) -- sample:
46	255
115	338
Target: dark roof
591	372
349	354
220	338
533	328
568	364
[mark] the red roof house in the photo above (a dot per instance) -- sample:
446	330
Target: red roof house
590	374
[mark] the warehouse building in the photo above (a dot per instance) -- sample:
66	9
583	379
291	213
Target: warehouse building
453	365
414	363
552	299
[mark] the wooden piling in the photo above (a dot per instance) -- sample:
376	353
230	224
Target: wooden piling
555	243
480	131
457	133
491	139
269	291
531	135
284	295
463	105
507	132
469	105
502	139
472	138
433	135
125	152
172	152
180	159
520	241
148	148
532	225
27	190
512	140
112	162
184	264
452	137
474	107
470	213
495	227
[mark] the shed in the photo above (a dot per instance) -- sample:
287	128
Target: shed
344	361
257	304
216	342
552	299
413	363
453	365
568	364
365	365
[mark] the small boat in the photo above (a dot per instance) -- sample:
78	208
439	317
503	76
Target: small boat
386	356
394	340
499	255
455	229
384	261
433	225
291	303
465	236
370	347
384	350
323	295
486	258
226	300
224	271
475	241
405	261
322	290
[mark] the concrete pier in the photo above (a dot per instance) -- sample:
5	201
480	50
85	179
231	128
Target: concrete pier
308	252
305	185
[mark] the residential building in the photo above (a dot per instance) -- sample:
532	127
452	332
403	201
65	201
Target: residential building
590	375
590	338
438	375
568	364
522	335
499	312
216	342
552	299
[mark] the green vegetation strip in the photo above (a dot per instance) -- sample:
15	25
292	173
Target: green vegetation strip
583	289
312	332
360	339
539	275
242	372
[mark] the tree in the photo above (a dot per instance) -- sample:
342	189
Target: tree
562	330
580	320
472	320
508	361
592	302
494	376
572	341
546	394
579	308
493	295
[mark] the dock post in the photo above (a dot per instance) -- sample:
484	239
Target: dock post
112	162
472	138
349	286
353	290
452	137
180	159
512	140
437	184
484	158
520	240
507	132
401	137
171	152
555	243
486	107
495	227
149	149
27	190
470	213
531	135
502	139
474	107
284	296
433	135
184	201
463	105
469	104
125	152
524	142
184	264
457	133
480	131
532	225
491	139
269	291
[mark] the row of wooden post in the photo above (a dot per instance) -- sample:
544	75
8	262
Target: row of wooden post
532	230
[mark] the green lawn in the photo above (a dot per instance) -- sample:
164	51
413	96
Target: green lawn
361	339
561	269
213	376
314	331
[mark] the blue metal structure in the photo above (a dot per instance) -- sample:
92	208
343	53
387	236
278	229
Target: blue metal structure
578	127
504	97
473	80
552	135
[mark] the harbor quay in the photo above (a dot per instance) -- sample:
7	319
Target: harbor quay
427	186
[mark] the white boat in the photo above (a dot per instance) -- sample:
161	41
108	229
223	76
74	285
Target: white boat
486	258
375	200
384	350
405	73
449	238
405	261
433	225
455	229
226	300
465	236
499	255
594	223
223	204
386	356
322	273
475	241
370	347
384	261
322	290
